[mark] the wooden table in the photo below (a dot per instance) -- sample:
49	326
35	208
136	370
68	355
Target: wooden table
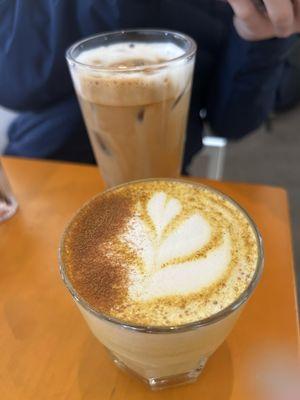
47	351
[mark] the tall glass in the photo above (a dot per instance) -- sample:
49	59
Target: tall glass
165	356
8	203
135	106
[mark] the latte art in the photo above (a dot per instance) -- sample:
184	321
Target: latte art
160	252
171	261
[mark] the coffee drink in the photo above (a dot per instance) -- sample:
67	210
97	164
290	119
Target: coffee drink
160	270
160	253
135	97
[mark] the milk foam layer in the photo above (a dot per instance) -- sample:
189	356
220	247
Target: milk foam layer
121	85
121	55
160	253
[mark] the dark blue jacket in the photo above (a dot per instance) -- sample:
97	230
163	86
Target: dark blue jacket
235	80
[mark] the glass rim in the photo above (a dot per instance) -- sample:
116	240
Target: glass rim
191	50
155	329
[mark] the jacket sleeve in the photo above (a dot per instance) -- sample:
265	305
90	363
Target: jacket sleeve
244	90
34	35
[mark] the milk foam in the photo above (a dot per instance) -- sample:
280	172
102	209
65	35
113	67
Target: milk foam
162	275
118	53
123	87
187	251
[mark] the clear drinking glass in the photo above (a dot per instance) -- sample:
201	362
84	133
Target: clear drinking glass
8	203
135	108
165	356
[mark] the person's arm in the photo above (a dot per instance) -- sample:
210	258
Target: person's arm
280	18
34	35
246	84
33	74
34	78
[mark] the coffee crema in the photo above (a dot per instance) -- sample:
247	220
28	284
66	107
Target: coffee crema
160	252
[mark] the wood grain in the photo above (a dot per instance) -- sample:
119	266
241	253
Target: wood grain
47	351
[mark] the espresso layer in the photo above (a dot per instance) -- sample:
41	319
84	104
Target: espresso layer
160	253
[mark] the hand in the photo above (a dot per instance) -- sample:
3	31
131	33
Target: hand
281	18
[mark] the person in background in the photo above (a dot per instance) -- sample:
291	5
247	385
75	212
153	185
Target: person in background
241	52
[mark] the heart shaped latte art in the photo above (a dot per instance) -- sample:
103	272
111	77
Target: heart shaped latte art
168	244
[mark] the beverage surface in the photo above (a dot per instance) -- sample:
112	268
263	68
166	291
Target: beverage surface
130	54
160	253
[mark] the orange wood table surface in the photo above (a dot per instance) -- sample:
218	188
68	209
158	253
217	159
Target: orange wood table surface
47	351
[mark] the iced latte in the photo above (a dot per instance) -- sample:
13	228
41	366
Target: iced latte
134	90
